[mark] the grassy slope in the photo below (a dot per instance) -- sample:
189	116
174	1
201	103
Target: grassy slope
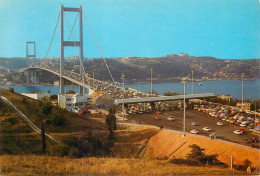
43	165
20	138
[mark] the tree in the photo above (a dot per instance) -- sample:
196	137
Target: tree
46	109
168	93
53	97
11	89
49	91
198	155
111	123
70	92
45	99
43	139
58	121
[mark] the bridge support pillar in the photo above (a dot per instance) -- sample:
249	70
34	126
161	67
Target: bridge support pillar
27	77
61	85
34	77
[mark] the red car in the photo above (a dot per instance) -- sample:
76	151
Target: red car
157	118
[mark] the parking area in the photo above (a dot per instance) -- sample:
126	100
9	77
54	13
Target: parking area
203	120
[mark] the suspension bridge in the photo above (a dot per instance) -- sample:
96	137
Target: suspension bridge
82	79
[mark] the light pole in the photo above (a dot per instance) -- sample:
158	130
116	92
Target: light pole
123	104
151	80
192	82
184	104
243	91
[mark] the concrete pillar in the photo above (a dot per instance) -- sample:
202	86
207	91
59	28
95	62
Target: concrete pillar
81	89
34	77
61	52
27	77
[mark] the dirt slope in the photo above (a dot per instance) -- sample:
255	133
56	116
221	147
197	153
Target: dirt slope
165	142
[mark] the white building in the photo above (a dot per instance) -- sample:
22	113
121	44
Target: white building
36	95
73	101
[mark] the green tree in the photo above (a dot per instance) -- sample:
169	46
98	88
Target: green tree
53	97
43	140
70	92
168	93
46	109
11	89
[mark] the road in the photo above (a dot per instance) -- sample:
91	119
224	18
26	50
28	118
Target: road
203	120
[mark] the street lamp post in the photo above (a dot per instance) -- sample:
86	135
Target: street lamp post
151	80
243	91
123	104
184	104
192	82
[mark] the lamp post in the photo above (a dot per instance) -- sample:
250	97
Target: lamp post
123	104
184	104
243	91
151	80
192	82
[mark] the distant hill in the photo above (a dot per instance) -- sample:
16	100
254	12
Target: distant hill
170	68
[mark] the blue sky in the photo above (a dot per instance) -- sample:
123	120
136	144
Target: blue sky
145	28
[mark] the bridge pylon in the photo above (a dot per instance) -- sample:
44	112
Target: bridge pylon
32	56
70	44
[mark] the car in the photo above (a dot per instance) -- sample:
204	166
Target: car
238	132
243	125
157	118
194	131
214	135
194	123
220	124
171	118
206	129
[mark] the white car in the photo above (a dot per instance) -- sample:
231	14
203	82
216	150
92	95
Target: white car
171	118
238	132
194	131
206	129
194	123
243	125
220	124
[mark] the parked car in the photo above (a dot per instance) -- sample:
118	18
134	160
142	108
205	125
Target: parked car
194	131
194	123
213	135
220	124
238	132
157	118
206	129
171	118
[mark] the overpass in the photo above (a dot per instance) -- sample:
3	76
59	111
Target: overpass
163	98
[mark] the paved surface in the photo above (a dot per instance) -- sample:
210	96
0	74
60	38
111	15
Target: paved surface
203	120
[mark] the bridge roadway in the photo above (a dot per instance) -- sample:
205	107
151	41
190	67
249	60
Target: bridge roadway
88	82
163	98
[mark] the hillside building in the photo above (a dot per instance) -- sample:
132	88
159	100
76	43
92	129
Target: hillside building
73	101
36	95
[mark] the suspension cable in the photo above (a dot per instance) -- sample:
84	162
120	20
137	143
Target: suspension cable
98	47
53	35
74	42
73	25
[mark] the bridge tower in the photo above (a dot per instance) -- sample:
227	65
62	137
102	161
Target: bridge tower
71	44
32	56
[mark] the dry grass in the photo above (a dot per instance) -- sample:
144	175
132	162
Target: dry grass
44	165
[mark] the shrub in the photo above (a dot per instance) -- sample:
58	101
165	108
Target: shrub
12	120
11	89
58	121
46	109
53	97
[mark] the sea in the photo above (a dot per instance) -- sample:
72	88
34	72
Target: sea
220	87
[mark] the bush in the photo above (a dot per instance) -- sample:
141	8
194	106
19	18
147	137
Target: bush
46	109
11	89
12	120
58	121
185	162
53	97
198	155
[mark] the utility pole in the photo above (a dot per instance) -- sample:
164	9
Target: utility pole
123	104
184	104
192	82
151	80
243	91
